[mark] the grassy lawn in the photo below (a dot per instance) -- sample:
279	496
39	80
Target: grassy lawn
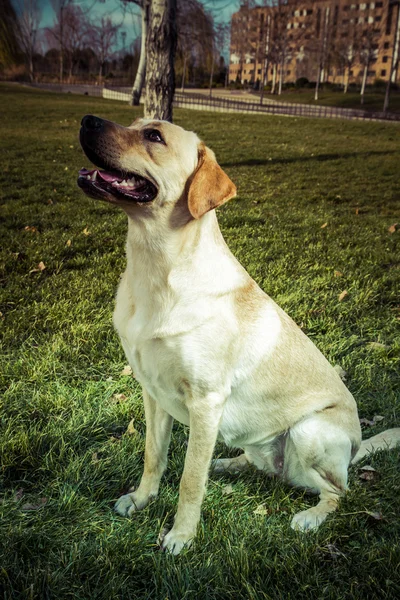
316	201
373	100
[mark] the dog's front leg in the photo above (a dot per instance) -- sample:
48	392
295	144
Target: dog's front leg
204	418
158	435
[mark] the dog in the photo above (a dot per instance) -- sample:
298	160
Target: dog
208	346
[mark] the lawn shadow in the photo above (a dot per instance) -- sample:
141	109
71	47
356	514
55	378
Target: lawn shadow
318	157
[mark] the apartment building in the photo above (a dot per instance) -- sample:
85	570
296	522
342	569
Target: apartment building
333	40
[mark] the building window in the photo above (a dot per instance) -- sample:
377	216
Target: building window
378	4
383	72
288	72
385	59
371	73
386	45
377	19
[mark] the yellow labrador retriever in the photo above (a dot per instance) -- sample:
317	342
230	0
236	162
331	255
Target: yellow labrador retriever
208	346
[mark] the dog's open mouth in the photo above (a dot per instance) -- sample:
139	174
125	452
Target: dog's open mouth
123	186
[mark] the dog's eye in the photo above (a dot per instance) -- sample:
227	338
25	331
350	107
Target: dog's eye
153	135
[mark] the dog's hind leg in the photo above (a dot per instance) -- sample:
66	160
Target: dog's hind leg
317	456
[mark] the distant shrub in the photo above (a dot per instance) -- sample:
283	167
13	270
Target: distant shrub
301	82
379	83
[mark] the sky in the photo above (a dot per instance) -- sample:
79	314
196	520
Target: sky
221	9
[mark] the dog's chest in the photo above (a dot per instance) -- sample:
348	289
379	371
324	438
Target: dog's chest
157	363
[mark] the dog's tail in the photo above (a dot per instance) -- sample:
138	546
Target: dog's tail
382	441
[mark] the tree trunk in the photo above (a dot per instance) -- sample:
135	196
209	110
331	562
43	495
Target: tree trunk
281	73
141	72
346	83
273	79
160	51
212	73
317	82
31	74
364	82
183	74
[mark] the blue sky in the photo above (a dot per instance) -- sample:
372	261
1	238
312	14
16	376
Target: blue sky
222	10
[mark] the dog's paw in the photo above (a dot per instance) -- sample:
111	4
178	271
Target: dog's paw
308	520
174	542
125	505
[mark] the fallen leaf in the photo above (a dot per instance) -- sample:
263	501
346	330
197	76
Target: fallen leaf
343	295
130	430
41	267
324	225
334	552
375	345
86	231
338	274
126	370
68	243
118	398
18	494
375	515
368	473
341	372
227	490
357	211
261	510
40	504
393	227
30	228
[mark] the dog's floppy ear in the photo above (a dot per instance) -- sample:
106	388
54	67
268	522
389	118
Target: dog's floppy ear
210	186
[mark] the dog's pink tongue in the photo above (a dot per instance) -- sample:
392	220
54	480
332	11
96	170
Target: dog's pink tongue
108	176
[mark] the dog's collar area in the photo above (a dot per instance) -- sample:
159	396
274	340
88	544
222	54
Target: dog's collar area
128	186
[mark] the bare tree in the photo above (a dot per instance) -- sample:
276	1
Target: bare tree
58	30
76	34
29	16
195	36
139	82
367	51
160	51
102	37
395	52
9	42
323	49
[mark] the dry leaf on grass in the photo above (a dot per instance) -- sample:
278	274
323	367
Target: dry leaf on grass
30	228
41	267
40	504
68	243
370	423
376	345
86	231
375	515
118	398
368	473
338	273
392	228
324	225
341	372
227	490
261	510
126	371
130	430
343	295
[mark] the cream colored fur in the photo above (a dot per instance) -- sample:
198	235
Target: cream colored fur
213	351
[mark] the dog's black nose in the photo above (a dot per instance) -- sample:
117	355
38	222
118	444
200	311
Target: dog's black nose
92	123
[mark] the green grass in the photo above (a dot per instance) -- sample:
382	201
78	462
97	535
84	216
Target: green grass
373	100
63	444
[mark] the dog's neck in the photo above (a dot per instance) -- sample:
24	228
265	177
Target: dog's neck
194	256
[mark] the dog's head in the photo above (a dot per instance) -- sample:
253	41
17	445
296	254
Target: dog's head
151	164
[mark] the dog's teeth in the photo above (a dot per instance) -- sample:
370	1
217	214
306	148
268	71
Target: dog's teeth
94	176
